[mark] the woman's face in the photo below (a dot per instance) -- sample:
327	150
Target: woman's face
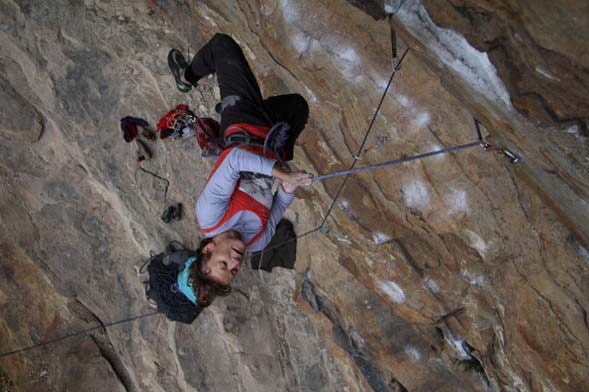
226	252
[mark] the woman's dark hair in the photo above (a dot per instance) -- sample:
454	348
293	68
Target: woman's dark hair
204	289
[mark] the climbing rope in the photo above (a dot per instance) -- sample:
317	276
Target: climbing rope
82	332
352	170
396	161
356	157
157	176
361	148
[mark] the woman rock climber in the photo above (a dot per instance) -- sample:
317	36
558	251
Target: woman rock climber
236	211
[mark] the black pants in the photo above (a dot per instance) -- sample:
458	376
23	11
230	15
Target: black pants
223	56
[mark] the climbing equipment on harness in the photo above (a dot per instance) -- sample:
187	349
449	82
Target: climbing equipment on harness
207	135
178	122
181	122
273	141
178	65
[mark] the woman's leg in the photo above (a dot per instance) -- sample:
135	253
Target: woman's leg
292	109
223	56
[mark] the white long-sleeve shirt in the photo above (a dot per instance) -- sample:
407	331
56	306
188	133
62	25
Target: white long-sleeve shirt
213	202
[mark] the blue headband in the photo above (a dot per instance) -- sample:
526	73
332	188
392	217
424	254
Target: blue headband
183	285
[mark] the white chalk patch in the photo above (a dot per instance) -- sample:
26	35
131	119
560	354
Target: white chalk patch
413	353
312	96
416	195
393	291
457	343
289	11
457	201
437	147
345	239
546	74
422	120
347	66
474	280
349	55
584	254
299	42
419	118
477	242
389	8
380	238
404	101
325	147
358	340
206	14
574	130
453	50
343	204
431	284
381	83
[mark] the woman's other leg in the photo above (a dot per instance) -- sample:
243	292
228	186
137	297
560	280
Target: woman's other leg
292	109
223	56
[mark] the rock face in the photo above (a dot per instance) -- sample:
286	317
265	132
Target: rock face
457	272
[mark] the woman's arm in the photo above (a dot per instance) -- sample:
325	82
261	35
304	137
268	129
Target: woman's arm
213	200
281	202
283	198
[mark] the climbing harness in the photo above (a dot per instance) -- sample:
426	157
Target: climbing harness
177	123
274	140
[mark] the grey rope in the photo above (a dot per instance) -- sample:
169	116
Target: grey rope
396	161
82	332
384	94
395	70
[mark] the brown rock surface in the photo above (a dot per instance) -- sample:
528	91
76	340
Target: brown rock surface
445	274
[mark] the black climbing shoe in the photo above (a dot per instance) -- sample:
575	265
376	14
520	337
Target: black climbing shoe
168	214
178	65
178	212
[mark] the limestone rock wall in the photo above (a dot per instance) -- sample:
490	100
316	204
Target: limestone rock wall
459	272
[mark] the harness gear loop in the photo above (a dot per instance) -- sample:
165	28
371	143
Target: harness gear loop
275	139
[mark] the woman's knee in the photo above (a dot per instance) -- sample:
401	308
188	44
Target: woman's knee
301	105
221	39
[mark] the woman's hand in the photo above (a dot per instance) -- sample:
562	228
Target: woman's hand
292	180
296	179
